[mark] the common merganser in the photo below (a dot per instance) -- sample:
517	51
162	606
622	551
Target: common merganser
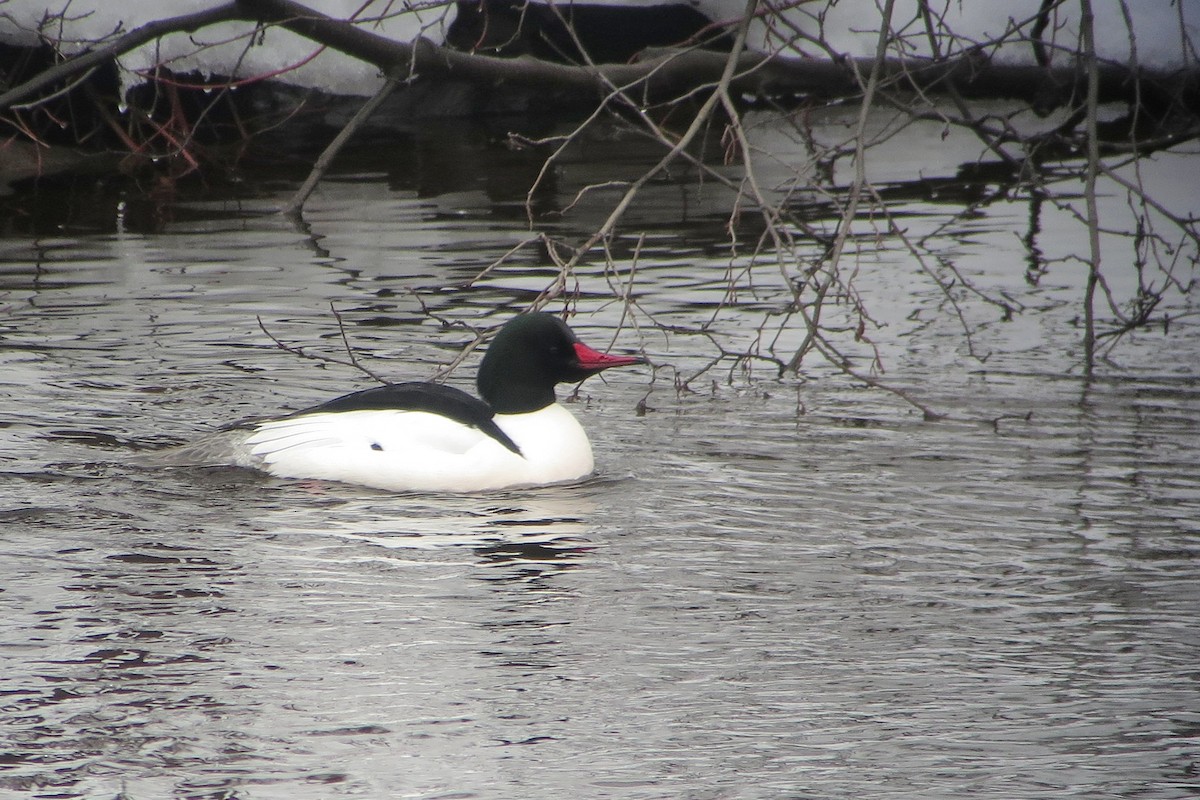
430	437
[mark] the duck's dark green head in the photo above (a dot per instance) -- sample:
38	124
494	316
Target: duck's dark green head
532	354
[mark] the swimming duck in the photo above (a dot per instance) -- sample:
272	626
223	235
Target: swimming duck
430	437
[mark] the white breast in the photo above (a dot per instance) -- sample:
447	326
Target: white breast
421	451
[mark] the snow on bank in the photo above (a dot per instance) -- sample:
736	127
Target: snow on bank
1162	29
225	49
1167	32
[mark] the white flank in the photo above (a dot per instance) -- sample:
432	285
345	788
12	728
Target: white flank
420	451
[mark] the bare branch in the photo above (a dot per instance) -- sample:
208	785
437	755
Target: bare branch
296	204
135	38
295	350
1086	24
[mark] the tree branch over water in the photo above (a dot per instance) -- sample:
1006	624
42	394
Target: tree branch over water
1045	140
661	74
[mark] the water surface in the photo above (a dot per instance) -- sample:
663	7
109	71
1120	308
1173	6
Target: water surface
786	588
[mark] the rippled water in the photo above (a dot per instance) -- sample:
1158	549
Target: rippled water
774	588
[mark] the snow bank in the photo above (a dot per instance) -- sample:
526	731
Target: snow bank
226	49
1163	29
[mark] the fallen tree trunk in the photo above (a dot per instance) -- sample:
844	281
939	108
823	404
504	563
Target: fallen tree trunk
659	76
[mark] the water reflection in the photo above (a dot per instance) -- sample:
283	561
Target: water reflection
112	643
426	521
156	655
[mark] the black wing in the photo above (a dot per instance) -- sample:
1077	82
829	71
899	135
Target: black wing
419	396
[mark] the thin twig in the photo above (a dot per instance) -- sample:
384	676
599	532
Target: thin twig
123	44
296	350
1087	29
295	205
850	213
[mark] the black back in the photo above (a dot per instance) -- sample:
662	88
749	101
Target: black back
434	398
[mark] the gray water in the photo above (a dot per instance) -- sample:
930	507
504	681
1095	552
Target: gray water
773	587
